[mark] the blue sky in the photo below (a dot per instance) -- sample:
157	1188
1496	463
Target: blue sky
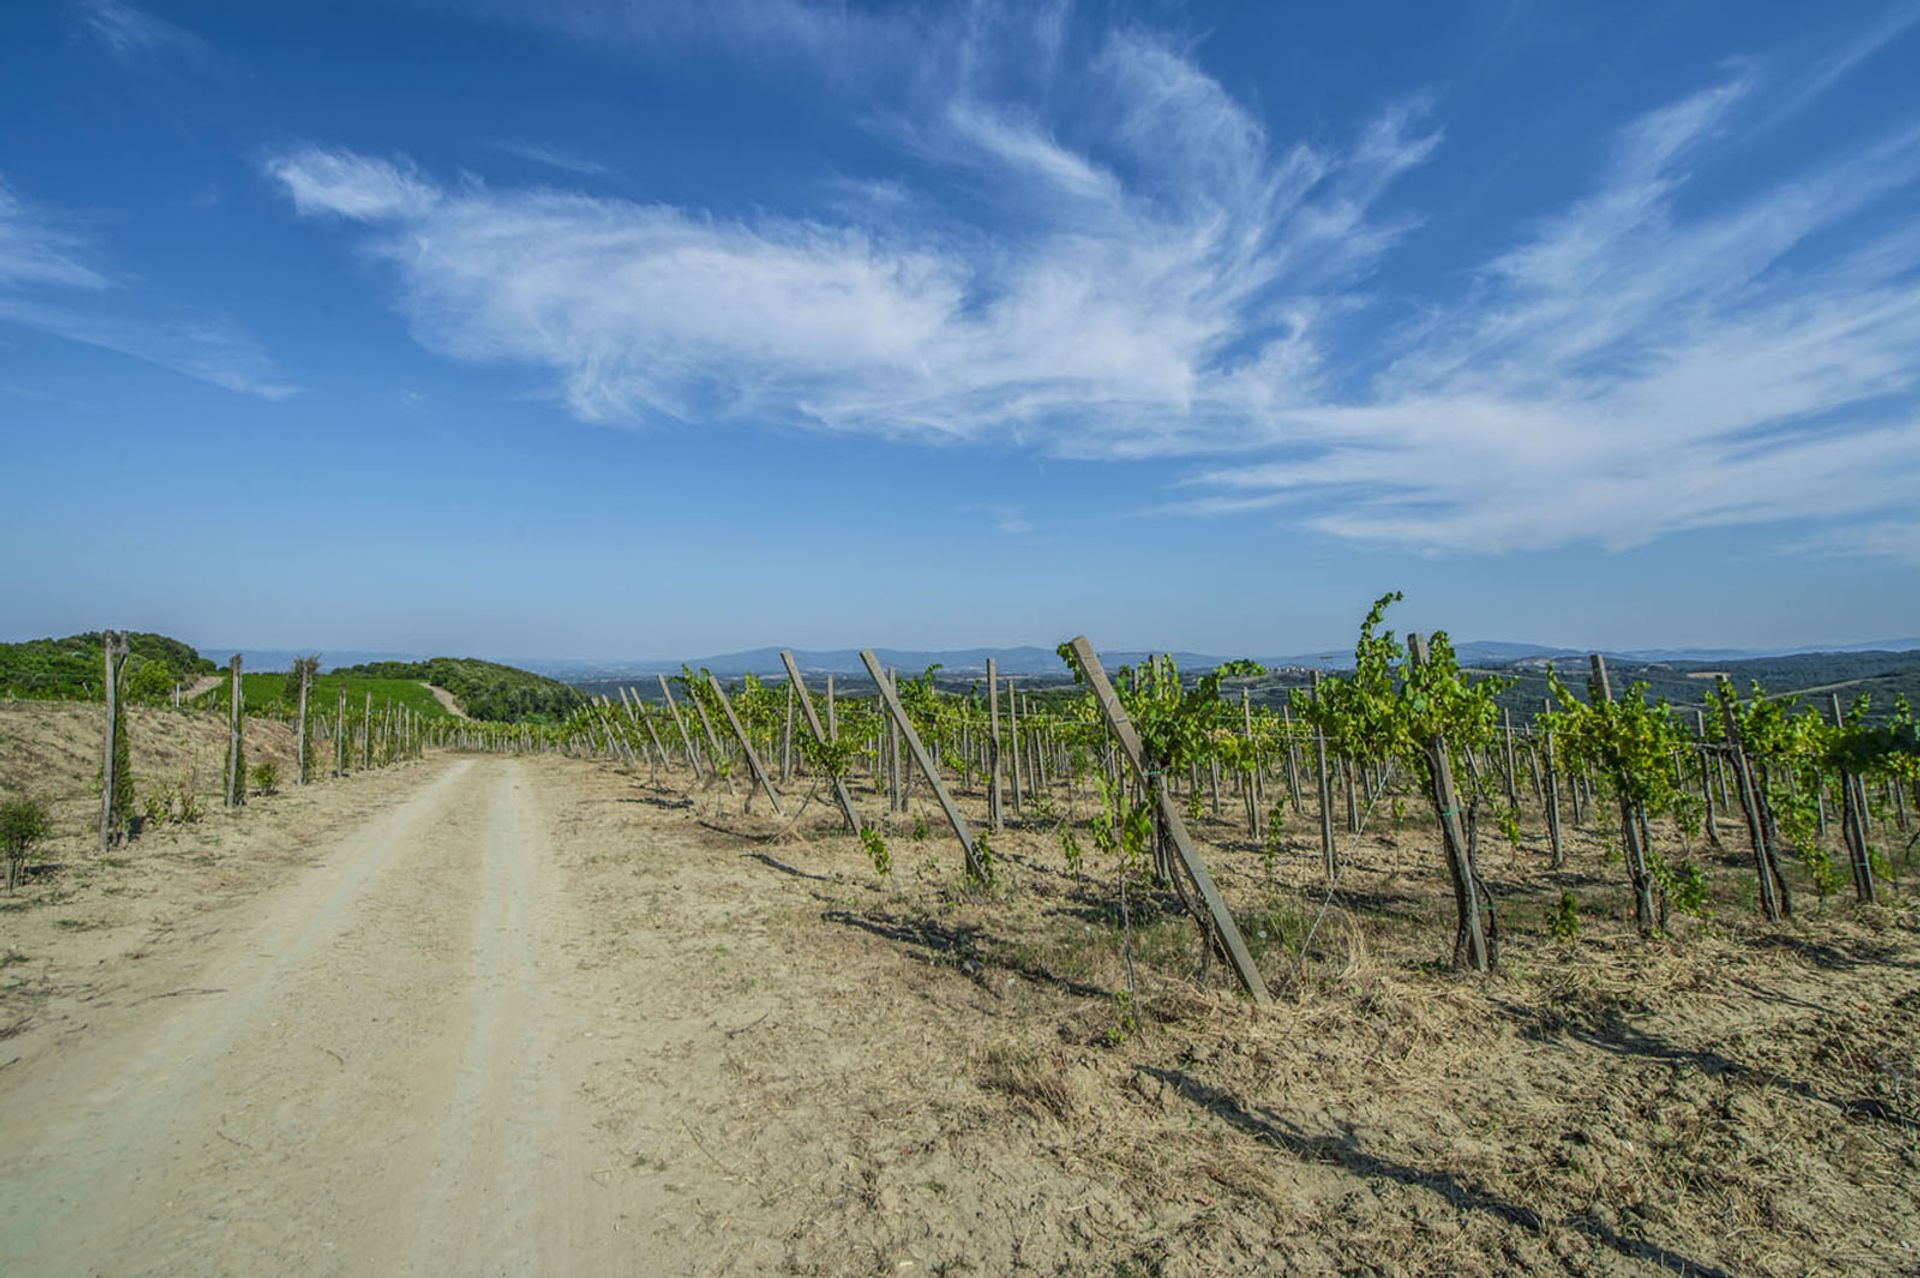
590	328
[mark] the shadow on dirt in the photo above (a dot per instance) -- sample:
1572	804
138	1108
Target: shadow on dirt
964	947
1265	1125
1615	1035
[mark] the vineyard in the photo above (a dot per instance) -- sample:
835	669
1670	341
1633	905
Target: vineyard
1762	805
1385	972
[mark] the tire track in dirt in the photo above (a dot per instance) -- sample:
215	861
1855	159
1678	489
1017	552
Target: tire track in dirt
372	1075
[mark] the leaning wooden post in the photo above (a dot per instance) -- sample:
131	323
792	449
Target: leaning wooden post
721	765
822	735
693	758
236	749
746	746
975	867
1470	940
366	735
1219	920
1329	857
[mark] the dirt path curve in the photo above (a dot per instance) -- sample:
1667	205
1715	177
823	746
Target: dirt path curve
201	686
374	1070
447	700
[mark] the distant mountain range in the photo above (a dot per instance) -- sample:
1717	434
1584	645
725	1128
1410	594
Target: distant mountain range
1031	660
1026	661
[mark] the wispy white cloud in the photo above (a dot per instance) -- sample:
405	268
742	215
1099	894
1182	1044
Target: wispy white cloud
132	34
1106	311
49	283
35	250
1626	372
1894	539
1155	274
552	157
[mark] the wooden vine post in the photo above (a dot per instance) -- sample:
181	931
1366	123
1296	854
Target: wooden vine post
693	759
1550	791
1219	921
746	746
1013	738
1706	783
1853	823
994	816
1470	940
236	747
1646	913
340	732
976	868
116	775
1328	855
1773	889
822	735
300	726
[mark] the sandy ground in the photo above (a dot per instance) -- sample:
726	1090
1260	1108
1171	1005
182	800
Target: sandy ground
371	1067
485	1015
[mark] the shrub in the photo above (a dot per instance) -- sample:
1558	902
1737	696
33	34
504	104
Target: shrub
265	777
1564	923
23	823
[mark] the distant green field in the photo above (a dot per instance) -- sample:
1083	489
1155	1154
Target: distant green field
267	694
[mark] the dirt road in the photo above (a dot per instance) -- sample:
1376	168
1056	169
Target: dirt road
481	1015
373	1069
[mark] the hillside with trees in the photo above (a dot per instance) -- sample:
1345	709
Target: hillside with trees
70	669
485	689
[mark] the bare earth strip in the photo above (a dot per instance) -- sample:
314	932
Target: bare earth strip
447	700
367	1074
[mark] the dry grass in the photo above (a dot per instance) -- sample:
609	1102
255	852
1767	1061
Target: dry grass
1735	1098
